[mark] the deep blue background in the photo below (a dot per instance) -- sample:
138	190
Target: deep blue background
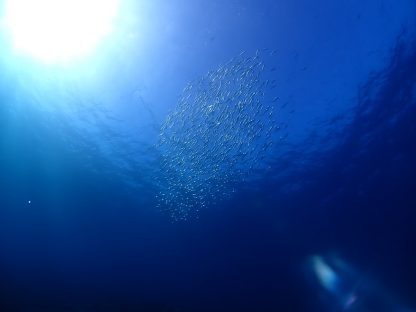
78	145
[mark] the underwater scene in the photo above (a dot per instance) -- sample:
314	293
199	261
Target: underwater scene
212	156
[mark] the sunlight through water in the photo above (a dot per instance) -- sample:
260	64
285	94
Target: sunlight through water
58	31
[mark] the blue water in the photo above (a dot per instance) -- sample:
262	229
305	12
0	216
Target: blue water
82	226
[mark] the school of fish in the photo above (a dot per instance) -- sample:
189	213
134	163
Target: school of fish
219	132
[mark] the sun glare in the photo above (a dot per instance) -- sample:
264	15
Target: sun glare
58	31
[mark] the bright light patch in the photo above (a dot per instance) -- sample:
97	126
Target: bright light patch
326	276
57	31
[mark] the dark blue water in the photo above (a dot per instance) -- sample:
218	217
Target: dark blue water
81	225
